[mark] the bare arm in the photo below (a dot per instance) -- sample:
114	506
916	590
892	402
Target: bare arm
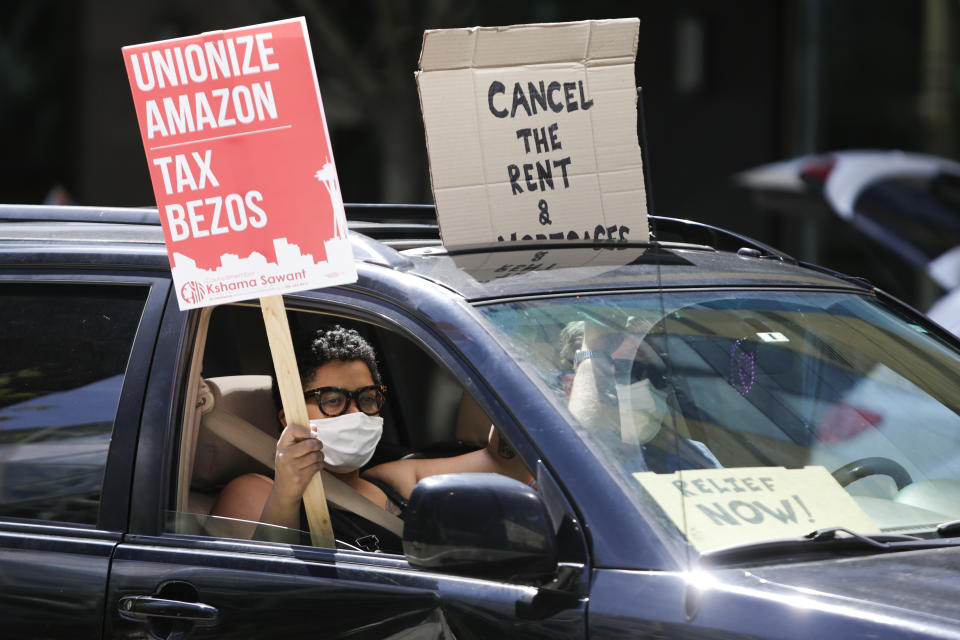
243	497
497	457
254	497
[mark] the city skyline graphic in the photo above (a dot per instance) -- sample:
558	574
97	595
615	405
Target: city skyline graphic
239	278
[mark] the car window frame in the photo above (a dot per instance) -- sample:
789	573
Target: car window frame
115	490
156	475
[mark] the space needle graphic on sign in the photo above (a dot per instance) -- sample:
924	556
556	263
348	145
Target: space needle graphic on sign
256	274
241	163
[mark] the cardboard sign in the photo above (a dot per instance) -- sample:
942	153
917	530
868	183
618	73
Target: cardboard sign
532	132
720	507
241	163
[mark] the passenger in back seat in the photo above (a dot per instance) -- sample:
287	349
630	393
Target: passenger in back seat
344	395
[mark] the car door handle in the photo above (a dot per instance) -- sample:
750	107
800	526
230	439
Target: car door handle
143	608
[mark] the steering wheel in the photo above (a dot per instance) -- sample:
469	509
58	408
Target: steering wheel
872	466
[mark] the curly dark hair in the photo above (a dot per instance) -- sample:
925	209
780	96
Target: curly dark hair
337	343
326	346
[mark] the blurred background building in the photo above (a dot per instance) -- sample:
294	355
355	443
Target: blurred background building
727	86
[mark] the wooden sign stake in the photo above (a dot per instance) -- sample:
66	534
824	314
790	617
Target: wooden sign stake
294	406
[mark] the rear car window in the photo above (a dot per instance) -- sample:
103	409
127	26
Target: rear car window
933	224
63	352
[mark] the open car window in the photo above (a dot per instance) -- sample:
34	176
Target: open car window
427	414
834	393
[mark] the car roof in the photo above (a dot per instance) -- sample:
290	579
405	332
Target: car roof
512	272
406	238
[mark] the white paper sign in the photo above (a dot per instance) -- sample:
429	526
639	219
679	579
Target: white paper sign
721	507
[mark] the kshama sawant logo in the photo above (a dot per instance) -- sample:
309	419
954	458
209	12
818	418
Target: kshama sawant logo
192	292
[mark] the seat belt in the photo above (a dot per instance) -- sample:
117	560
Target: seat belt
342	495
261	447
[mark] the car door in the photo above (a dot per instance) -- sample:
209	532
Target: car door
168	582
73	352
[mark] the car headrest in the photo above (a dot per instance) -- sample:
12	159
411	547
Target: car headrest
247	397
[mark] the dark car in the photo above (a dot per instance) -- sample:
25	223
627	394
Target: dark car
906	203
900	214
688	408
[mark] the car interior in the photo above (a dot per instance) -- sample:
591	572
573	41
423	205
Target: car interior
233	426
782	380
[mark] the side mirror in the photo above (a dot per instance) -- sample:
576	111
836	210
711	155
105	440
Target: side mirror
480	525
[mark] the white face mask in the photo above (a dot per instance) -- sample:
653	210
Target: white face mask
348	440
642	410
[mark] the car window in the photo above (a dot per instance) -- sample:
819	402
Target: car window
426	415
836	385
933	225
63	353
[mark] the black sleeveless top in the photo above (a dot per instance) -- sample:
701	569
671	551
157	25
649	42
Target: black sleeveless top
359	532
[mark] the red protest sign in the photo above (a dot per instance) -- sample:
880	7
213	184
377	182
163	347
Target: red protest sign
241	163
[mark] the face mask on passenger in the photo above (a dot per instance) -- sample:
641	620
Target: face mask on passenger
348	440
642	410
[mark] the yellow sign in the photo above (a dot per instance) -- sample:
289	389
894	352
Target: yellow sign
721	507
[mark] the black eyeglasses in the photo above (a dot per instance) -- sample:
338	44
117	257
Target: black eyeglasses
334	401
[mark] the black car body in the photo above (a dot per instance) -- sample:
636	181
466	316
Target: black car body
100	535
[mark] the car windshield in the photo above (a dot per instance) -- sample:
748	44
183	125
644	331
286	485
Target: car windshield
750	415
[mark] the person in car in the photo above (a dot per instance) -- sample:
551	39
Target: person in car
616	386
344	396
